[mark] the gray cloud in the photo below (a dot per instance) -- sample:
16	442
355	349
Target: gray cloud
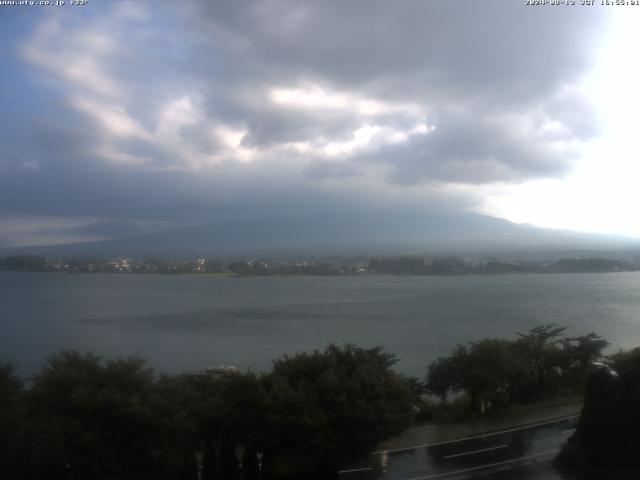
187	112
464	48
468	149
473	68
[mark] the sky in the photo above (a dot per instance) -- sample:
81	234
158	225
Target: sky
122	117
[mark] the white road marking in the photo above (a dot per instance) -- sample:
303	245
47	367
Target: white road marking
564	432
516	429
477	451
354	470
481	467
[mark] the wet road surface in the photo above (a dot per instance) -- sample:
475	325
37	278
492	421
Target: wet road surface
515	453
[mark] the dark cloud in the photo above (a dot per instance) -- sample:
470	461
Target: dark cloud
495	47
474	150
189	111
472	67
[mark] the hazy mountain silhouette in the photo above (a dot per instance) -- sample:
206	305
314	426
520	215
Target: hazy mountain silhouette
330	236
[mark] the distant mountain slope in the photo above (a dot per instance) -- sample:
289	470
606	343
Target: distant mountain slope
329	236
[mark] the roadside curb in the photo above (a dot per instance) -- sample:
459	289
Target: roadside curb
437	433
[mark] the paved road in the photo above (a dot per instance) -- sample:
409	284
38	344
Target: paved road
515	453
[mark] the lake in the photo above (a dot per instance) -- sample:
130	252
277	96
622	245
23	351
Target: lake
190	322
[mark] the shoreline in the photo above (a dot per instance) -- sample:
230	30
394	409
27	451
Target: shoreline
284	275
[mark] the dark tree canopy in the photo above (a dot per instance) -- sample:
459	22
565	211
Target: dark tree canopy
538	364
326	400
95	419
11	420
605	443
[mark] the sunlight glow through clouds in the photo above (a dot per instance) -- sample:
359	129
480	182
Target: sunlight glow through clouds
602	193
177	114
315	97
361	137
231	140
373	136
367	135
113	118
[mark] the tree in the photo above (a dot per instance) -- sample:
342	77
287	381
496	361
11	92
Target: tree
497	372
398	265
24	263
447	266
327	400
176	427
605	443
578	356
11	421
540	348
95	419
491	373
445	374
230	414
628	361
486	370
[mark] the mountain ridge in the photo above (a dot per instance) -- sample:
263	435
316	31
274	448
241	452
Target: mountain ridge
321	236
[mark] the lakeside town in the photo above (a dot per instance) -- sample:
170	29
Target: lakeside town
331	266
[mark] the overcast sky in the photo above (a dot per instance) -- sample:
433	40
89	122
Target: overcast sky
125	116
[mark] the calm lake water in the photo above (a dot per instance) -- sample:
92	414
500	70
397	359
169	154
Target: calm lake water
183	323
